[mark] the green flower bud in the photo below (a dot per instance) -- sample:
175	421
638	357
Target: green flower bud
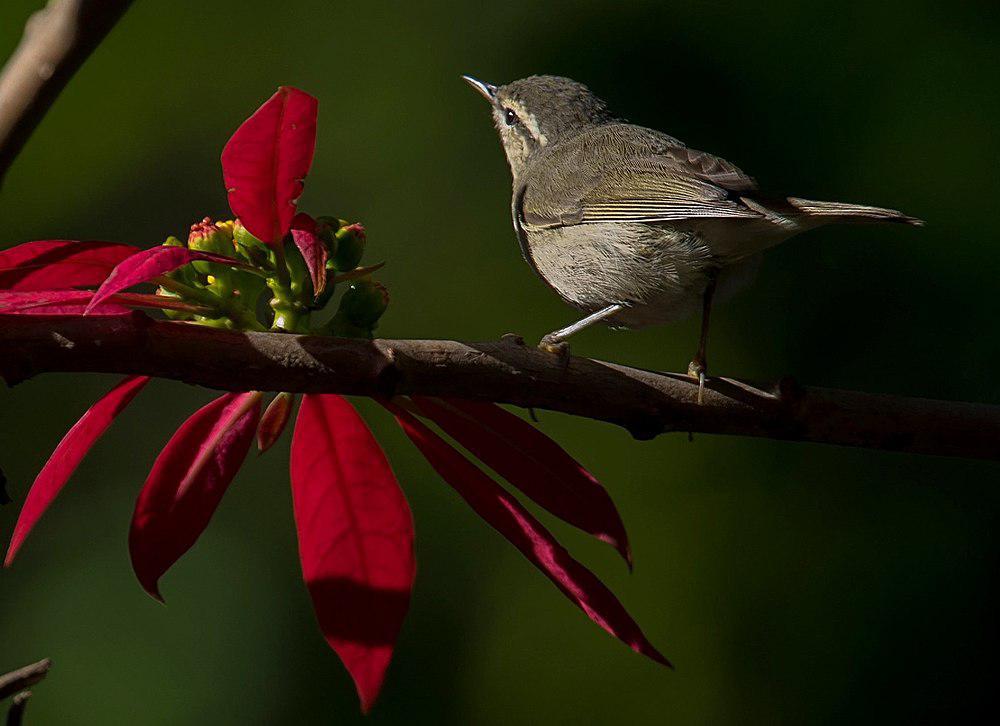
326	230
251	248
207	236
172	241
350	247
363	304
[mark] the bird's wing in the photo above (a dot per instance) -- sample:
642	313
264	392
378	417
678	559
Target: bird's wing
710	168
634	175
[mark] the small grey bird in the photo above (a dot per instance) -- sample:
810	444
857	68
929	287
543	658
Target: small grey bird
628	224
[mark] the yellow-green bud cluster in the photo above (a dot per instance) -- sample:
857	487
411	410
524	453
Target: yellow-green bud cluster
233	292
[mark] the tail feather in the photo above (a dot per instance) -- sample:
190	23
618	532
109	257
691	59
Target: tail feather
848	213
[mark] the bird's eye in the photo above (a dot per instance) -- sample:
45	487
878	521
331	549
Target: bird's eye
509	117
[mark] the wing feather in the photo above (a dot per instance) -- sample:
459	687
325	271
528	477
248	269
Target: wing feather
623	173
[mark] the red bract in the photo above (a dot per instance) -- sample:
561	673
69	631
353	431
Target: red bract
267	159
55	302
68	455
273	422
533	463
513	521
59	264
312	248
187	482
355	537
148	264
75	302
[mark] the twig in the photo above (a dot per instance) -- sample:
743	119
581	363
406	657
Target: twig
23	678
57	40
644	402
16	712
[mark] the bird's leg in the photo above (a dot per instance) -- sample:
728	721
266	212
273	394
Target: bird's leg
698	367
555	342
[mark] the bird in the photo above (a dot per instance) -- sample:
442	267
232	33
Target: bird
628	224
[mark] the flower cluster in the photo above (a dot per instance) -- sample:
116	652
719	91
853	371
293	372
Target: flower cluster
275	267
298	280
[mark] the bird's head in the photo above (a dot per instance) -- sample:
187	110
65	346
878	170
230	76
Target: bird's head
534	112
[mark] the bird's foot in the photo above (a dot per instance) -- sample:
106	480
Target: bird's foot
697	369
556	346
512	339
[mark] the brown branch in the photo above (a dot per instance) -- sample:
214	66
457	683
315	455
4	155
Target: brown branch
15	715
57	40
22	678
644	402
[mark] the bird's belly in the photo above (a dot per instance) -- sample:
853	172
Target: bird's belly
659	274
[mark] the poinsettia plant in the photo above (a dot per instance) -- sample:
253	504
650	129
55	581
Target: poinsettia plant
275	267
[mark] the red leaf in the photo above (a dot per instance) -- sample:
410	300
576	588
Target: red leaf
266	161
56	302
274	420
313	250
533	463
59	264
355	537
187	482
505	514
68	455
147	264
74	302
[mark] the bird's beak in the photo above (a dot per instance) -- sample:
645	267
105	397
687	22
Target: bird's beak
486	90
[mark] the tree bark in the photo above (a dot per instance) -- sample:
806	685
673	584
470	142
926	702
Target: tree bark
646	403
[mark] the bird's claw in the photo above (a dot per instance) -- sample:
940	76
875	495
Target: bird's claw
512	339
555	346
696	369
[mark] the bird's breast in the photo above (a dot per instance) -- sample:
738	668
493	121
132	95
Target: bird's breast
595	265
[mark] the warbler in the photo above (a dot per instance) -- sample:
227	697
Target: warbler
628	224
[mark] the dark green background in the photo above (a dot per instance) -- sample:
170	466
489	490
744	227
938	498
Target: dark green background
789	583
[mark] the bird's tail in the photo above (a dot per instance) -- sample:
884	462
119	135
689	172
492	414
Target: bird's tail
839	212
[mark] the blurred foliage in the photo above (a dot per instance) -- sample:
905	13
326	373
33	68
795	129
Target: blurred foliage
789	583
